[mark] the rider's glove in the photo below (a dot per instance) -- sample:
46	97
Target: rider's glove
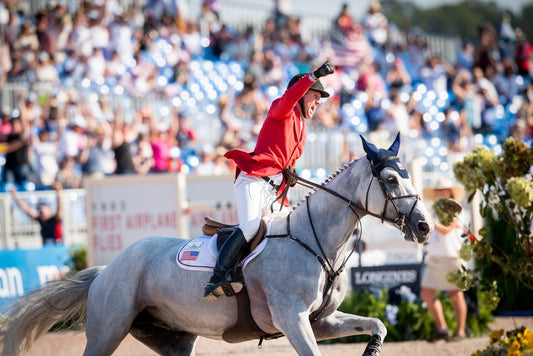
325	69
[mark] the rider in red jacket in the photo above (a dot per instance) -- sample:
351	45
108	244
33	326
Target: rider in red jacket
259	174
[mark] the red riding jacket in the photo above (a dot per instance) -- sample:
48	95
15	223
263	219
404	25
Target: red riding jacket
281	139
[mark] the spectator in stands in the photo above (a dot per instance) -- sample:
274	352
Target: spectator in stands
69	175
376	25
272	69
206	166
506	37
259	175
27	43
344	20
442	257
231	126
398	114
208	21
30	111
397	77
5	127
50	223
416	48
436	72
488	94
17	167
95	68
249	102
456	133
523	54
161	143
72	139
13	28
45	33
486	55
505	82
80	38
5	61
43	155
45	70
123	138
19	67
465	57
183	131
96	158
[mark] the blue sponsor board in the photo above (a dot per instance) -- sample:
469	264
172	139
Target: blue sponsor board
387	276
24	270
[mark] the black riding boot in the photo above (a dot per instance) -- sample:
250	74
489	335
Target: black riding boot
229	254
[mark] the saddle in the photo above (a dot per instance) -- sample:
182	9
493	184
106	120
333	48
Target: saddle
211	227
245	327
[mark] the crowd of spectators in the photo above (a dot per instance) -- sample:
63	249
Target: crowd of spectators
65	135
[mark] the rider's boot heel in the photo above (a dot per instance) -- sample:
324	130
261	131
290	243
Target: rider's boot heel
230	252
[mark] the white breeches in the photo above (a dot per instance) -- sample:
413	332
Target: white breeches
253	197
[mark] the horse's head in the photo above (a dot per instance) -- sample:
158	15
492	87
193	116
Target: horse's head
391	195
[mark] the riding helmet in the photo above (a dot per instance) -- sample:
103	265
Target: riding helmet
317	85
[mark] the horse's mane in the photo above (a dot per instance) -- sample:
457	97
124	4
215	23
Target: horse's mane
327	180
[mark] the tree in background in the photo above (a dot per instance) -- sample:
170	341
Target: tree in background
462	19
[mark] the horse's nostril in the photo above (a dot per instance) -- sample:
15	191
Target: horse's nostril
423	227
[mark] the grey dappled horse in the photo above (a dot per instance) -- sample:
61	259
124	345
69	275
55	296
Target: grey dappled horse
295	285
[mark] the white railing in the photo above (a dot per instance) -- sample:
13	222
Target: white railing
20	231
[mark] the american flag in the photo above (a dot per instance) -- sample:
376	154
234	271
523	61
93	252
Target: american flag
190	255
348	50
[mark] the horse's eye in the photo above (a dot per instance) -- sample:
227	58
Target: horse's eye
392	180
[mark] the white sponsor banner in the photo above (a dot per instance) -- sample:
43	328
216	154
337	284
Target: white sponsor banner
124	209
210	196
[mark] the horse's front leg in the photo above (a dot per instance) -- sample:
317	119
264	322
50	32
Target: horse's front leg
341	324
294	324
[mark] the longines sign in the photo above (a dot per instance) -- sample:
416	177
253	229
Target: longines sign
386	276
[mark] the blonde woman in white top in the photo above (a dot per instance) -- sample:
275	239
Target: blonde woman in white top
442	257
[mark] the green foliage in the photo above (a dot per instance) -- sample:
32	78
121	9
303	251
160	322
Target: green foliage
475	171
446	210
505	183
521	191
78	256
460	20
408	319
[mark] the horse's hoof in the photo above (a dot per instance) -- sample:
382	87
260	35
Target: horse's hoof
373	348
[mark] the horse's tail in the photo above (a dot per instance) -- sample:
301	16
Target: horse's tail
61	303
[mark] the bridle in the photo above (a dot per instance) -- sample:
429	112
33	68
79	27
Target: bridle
399	221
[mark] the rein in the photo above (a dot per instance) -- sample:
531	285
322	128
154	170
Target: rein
399	221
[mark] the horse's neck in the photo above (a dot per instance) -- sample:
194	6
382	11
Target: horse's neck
329	216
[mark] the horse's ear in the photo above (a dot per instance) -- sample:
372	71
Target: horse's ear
395	147
370	149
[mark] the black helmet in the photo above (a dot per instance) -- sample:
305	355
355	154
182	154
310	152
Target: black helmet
317	85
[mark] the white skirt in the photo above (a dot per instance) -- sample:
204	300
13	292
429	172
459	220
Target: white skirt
436	270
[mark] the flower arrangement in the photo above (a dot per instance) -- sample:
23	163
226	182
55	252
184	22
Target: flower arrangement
515	342
446	210
505	183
